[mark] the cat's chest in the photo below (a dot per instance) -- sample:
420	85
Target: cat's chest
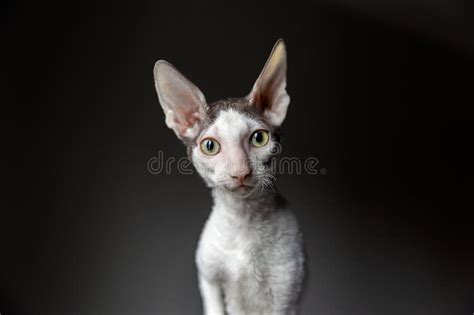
243	257
236	252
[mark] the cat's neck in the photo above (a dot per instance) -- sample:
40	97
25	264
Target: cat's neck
258	204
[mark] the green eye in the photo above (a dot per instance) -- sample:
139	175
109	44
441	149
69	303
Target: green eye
259	138
210	146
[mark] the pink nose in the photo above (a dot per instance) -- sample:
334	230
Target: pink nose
242	176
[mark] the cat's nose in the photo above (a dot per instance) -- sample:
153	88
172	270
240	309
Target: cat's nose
242	176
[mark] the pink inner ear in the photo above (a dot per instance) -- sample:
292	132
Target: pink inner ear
268	89
182	102
186	119
194	118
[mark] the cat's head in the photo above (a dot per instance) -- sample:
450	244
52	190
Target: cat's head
230	142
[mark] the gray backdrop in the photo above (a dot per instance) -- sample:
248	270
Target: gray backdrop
381	95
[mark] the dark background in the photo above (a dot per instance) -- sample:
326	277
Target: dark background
381	94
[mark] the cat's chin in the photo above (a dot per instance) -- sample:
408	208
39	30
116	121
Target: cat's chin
242	190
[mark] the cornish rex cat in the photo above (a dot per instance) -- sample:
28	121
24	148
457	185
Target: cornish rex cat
249	257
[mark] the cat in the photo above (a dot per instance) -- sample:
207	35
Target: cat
250	254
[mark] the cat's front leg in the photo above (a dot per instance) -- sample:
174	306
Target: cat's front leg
212	298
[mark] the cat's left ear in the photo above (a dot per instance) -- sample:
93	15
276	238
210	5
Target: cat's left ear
269	91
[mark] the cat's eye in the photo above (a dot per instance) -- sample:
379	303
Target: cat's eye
259	138
210	146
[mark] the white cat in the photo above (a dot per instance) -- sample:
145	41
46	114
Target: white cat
250	257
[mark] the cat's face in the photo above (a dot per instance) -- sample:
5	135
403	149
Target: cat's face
230	142
234	152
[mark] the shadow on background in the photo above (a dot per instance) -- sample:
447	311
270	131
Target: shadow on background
381	95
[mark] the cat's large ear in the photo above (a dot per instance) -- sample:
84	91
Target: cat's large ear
183	103
269	91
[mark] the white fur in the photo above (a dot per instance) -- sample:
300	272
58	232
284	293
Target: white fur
249	257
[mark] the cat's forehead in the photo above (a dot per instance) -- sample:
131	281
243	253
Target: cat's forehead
231	123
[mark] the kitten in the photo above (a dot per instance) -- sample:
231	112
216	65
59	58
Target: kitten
249	258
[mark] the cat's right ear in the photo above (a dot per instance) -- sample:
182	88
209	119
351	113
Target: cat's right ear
183	103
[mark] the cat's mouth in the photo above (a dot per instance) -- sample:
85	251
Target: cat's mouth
241	188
